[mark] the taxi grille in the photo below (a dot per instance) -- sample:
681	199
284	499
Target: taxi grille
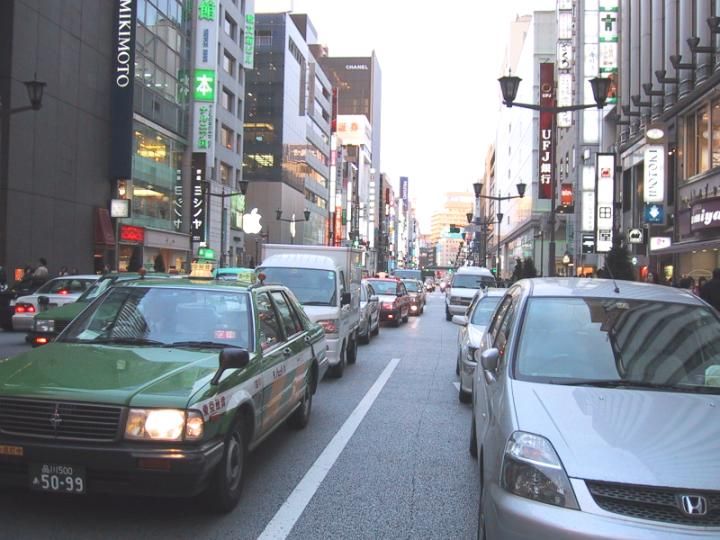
654	504
59	419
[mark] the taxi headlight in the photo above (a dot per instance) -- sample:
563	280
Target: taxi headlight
43	325
163	425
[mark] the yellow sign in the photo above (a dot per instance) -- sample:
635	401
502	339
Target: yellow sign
201	270
11	450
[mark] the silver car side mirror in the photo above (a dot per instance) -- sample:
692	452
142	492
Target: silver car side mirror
374	298
460	320
489	359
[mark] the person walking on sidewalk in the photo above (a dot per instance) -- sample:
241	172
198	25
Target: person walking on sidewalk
710	292
41	274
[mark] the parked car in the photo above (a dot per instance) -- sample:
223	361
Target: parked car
159	387
394	300
9	295
595	413
56	292
48	324
369	313
417	296
465	283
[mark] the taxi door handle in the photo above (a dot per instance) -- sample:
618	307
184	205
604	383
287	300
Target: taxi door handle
287	351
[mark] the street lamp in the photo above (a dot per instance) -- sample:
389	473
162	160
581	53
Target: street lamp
477	187
292	221
509	85
243	185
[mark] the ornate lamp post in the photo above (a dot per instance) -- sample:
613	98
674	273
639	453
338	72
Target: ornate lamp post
292	221
509	85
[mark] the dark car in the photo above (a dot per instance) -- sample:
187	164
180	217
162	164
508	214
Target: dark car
417	295
18	289
394	299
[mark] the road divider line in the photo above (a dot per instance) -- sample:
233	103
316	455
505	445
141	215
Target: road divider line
285	518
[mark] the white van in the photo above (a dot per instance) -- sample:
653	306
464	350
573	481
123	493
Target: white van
466	281
326	281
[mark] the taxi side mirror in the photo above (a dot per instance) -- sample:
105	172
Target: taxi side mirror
230	359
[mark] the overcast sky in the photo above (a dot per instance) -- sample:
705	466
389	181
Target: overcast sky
439	62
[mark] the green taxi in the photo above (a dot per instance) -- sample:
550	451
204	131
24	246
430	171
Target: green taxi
159	387
48	324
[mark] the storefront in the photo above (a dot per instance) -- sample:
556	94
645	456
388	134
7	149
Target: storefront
140	247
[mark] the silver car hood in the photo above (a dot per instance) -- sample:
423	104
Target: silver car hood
628	436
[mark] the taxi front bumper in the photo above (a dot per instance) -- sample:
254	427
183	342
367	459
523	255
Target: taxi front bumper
126	468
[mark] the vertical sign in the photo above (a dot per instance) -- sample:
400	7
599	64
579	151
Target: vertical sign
565	61
204	78
654	176
178	202
608	49
547	135
404	189
249	45
198	209
605	195
121	89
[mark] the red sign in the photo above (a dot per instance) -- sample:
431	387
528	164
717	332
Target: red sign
547	133
567	199
132	234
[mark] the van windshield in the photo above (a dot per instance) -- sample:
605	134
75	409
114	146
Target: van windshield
311	287
472	281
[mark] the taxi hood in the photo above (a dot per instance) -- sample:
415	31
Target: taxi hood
630	436
119	375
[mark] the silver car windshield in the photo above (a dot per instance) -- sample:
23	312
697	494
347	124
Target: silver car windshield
472	281
484	309
165	317
611	342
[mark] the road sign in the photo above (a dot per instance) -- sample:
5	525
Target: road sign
588	243
635	236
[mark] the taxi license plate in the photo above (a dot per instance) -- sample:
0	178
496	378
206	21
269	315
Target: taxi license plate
57	478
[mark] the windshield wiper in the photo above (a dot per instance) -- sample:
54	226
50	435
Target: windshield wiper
606	383
126	341
204	345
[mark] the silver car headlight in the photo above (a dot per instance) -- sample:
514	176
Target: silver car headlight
164	425
43	325
532	469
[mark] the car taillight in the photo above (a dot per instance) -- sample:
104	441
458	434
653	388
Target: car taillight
24	308
330	326
63	291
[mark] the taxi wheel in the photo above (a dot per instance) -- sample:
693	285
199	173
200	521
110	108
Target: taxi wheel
226	486
352	351
301	417
377	328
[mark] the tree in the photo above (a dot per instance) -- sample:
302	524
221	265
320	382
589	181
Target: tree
618	263
159	263
528	268
517	271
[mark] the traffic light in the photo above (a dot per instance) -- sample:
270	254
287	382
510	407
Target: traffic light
454	229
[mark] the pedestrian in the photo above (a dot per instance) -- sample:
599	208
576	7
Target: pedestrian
710	291
41	274
700	282
74	271
63	271
686	282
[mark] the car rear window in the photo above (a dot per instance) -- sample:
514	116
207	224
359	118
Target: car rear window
567	340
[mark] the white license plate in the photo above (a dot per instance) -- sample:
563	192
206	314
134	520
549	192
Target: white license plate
57	478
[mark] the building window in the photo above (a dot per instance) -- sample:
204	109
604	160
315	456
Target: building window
230	26
226	137
297	55
715	112
238	144
225	173
228	63
228	100
239	108
703	140
263	38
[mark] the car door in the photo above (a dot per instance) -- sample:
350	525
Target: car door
271	341
373	306
403	299
292	376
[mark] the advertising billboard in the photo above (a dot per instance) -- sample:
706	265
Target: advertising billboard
547	135
605	198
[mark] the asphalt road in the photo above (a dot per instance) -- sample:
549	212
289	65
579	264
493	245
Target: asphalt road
385	456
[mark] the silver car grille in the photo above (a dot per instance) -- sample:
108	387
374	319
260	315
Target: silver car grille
656	504
59	420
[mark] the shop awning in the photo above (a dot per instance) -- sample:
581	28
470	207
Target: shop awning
104	233
687	246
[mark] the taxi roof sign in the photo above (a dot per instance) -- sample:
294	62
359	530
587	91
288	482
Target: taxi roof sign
202	270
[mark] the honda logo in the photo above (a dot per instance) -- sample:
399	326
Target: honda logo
693	505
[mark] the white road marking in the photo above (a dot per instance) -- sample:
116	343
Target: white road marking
284	520
457	385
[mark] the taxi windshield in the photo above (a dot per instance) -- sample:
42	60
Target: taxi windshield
165	317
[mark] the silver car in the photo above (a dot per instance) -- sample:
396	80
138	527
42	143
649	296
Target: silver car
369	313
472	328
595	413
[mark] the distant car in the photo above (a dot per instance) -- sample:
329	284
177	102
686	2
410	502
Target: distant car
417	296
465	283
8	297
159	387
56	292
472	329
595	413
369	313
394	300
48	324
235	273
